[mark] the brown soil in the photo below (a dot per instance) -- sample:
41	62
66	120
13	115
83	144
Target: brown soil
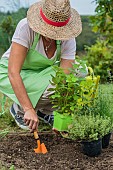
63	154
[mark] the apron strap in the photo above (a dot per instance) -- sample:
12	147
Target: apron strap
36	39
58	55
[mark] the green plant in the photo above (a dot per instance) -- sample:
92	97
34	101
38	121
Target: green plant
89	127
99	57
5	168
87	37
103	20
7	26
103	103
71	93
12	167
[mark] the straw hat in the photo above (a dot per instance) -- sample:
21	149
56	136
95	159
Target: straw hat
54	19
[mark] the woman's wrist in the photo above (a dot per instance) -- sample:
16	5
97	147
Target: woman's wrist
28	108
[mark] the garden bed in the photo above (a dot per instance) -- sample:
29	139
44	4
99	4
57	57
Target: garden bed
63	154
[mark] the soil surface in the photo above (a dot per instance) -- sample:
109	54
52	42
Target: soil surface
63	154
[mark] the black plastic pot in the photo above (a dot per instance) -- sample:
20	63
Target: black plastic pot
105	140
92	148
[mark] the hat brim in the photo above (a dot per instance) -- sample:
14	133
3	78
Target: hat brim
70	30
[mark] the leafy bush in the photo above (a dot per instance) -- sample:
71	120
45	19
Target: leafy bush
8	24
87	37
100	57
7	28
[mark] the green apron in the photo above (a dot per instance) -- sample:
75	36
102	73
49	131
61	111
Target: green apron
36	73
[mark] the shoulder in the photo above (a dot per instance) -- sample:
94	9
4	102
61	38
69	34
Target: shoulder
68	44
23	23
23	34
71	41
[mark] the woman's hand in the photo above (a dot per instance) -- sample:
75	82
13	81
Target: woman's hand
31	119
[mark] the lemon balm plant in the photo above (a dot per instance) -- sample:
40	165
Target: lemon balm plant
66	89
71	94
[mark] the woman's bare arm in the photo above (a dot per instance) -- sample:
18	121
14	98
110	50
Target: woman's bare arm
66	64
16	60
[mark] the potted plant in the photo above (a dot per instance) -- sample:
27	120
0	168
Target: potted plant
71	94
90	129
63	98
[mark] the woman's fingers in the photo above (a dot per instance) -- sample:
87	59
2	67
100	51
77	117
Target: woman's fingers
32	124
35	125
27	121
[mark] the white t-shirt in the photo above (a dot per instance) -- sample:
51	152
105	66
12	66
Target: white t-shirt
24	35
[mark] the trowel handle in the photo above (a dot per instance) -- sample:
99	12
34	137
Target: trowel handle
36	135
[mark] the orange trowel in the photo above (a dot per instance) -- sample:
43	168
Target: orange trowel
41	148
